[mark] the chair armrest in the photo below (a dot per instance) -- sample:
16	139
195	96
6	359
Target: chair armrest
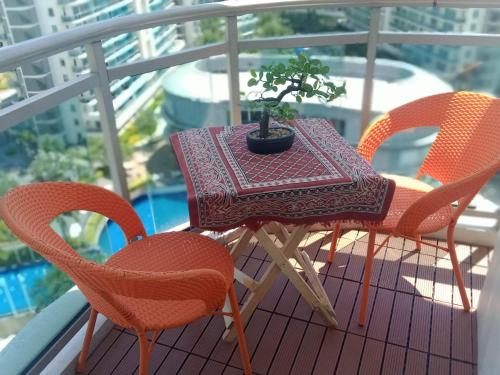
461	191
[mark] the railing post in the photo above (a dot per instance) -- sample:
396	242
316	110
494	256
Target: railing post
233	69
371	54
95	54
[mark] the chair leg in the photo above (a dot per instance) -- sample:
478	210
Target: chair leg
242	342
333	244
86	342
367	277
456	267
418	238
144	353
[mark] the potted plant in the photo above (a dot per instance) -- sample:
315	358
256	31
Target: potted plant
302	77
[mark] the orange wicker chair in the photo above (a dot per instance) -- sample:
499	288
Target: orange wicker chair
464	156
153	283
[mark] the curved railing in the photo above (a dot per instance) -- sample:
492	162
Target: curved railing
100	76
91	36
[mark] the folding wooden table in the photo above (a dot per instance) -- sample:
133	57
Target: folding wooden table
321	179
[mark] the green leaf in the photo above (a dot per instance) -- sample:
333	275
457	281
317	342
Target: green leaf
307	87
280	68
298	99
253	72
316	62
293	61
324	69
252	82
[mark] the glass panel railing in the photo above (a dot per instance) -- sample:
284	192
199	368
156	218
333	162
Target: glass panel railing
53	146
303	21
155	182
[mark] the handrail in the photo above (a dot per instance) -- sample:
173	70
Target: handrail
31	50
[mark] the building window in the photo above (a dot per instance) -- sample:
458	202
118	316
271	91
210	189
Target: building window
72	107
63	63
51	12
54	28
76	122
65	78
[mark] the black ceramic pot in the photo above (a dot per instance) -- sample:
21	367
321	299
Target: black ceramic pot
270	145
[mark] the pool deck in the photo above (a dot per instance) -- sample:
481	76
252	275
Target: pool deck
415	321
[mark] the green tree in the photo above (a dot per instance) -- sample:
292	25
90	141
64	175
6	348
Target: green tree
271	24
6	183
68	165
212	30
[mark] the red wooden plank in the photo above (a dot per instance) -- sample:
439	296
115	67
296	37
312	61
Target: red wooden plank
113	357
101	349
390	269
289	346
394	360
379	322
416	363
192	365
461	335
356	263
329	352
253	333
269	344
351	355
271	299
288	300
232	371
213	368
354	326
158	355
345	301
309	349
173	362
210	337
400	321
170	336
478	275
441	329
420	324
333	287
191	334
438	365
340	261
461	368
425	275
407	272
443	287
372	357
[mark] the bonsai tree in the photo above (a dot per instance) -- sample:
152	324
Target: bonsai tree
302	77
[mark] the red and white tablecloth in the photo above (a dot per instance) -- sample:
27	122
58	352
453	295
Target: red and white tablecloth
319	180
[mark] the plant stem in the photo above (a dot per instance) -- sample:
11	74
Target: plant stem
264	124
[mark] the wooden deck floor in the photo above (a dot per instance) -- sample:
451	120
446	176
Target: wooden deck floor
415	322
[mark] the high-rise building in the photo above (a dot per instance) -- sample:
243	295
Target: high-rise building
27	19
464	66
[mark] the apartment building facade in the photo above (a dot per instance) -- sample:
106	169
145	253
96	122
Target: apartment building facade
26	19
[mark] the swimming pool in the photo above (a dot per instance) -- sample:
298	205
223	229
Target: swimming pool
158	212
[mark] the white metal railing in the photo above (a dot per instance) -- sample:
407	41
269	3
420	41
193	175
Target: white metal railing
100	76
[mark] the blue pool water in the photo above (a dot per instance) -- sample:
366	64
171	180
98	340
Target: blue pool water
158	212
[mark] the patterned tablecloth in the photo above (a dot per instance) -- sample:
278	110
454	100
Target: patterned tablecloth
319	180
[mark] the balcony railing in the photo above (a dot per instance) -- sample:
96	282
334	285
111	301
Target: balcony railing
100	77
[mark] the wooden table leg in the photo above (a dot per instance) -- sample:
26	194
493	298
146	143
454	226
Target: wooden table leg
314	294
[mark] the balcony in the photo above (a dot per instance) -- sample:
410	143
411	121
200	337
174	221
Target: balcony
415	319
